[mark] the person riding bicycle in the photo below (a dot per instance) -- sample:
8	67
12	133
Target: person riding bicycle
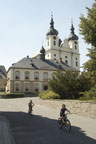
63	110
30	105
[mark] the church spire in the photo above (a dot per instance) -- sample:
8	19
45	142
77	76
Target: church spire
72	35
72	27
52	30
52	22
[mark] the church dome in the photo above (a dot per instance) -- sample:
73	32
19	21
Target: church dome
52	31
72	35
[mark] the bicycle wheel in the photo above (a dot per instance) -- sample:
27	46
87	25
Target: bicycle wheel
67	125
60	123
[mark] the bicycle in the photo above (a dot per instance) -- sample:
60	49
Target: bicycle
64	122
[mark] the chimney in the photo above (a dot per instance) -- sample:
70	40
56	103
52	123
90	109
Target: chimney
60	60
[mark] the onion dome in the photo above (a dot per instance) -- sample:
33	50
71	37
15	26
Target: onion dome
72	35
52	31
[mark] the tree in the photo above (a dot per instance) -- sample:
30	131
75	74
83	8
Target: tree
88	26
88	30
69	84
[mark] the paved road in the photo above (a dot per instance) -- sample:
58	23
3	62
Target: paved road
42	128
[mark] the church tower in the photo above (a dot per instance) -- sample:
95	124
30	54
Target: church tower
52	41
74	45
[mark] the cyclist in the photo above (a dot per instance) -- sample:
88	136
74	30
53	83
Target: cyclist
63	110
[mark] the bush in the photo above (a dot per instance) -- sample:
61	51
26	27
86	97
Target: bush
12	95
88	95
48	94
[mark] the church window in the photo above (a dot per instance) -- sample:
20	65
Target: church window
54	43
36	75
48	43
27	75
66	62
75	42
17	75
76	64
75	47
54	38
45	76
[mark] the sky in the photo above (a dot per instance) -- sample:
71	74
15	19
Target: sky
24	24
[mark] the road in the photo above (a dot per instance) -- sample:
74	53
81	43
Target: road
42	127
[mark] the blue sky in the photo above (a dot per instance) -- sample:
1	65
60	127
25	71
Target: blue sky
24	24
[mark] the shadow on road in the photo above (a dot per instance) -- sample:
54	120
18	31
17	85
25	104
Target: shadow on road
27	129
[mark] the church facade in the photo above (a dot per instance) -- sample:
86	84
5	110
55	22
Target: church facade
32	74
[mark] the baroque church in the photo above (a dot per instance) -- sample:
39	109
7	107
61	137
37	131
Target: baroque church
30	75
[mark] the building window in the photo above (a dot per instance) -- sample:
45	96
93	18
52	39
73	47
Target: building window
17	75
55	55
27	75
54	43
45	87
36	75
66	61
17	87
45	76
66	57
27	87
75	47
76	64
76	58
36	87
48	43
54	38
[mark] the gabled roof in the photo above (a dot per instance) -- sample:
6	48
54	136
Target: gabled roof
37	63
3	72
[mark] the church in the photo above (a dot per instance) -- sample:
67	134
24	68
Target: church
30	75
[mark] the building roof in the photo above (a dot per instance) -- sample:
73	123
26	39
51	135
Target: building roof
37	63
3	72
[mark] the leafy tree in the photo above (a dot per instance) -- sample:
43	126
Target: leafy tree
88	30
88	26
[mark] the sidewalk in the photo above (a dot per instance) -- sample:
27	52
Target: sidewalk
5	133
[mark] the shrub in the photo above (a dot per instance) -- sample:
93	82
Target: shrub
88	95
48	94
12	95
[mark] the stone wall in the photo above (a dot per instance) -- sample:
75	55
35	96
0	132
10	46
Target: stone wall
76	107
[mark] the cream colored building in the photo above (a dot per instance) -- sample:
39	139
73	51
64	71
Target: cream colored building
32	74
3	78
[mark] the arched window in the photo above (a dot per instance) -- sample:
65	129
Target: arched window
66	61
48	43
17	87
76	64
27	87
17	75
27	75
45	76
36	87
54	43
36	75
75	47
